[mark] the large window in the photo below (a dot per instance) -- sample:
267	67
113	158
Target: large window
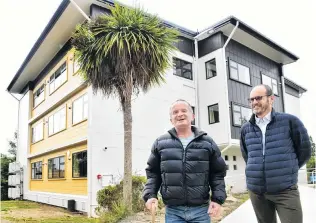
56	167
79	164
58	78
210	67
37	170
240	115
239	72
271	82
37	132
213	114
182	68
57	122
80	109
39	96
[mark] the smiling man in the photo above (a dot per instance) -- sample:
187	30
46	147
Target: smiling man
185	164
274	146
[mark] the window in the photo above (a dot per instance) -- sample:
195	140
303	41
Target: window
37	132
56	167
79	164
213	114
58	78
193	109
39	96
240	115
226	157
271	82
182	68
210	67
80	109
37	170
57	122
239	72
76	65
235	167
234	158
227	167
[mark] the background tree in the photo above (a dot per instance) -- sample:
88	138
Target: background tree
121	54
5	160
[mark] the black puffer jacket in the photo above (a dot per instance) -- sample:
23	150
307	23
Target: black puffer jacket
185	176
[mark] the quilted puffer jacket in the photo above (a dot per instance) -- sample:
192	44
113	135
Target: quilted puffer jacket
185	176
287	148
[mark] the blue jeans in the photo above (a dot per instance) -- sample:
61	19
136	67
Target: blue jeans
184	214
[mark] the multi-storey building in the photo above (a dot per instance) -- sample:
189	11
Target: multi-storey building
71	140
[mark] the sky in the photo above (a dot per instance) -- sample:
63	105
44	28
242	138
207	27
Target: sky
290	24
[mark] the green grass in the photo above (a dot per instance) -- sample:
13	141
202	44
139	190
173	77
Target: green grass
74	219
242	197
11	205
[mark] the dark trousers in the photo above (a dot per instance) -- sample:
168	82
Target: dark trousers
287	203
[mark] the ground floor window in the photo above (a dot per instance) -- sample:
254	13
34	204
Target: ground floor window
79	164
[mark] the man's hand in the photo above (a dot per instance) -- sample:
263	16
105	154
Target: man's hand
152	203
214	209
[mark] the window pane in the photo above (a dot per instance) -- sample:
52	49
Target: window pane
233	64
233	73
61	167
85	106
210	68
50	168
51	125
77	110
52	86
244	75
275	89
246	114
182	68
75	165
266	80
236	108
55	168
237	118
213	114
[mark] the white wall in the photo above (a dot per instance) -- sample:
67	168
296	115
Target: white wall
292	105
23	139
150	120
212	91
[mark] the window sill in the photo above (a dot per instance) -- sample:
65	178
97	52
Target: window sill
56	179
50	93
37	180
33	143
213	123
240	82
38	104
57	132
80	122
79	178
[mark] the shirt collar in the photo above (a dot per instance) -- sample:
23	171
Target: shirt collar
266	118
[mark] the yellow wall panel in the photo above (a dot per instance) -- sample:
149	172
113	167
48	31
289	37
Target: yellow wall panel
67	185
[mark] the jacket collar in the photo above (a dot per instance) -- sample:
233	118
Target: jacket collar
252	120
197	132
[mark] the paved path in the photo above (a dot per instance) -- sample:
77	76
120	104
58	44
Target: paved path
246	214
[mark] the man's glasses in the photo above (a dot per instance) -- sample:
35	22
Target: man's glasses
258	98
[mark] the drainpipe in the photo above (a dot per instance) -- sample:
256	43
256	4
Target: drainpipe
226	85
283	87
197	94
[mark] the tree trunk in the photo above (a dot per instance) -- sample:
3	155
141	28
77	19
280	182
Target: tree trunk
127	182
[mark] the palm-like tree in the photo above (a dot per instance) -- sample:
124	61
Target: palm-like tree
121	54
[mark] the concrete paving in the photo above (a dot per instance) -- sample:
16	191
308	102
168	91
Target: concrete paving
246	214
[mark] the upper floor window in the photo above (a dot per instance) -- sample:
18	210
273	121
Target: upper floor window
213	114
37	132
79	164
37	170
39	96
193	110
239	72
240	115
80	109
56	167
76	65
271	82
210	67
58	78
57	122
182	68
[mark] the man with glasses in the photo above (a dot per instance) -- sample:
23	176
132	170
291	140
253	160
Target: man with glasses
274	145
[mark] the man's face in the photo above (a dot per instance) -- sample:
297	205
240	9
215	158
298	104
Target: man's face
260	102
180	115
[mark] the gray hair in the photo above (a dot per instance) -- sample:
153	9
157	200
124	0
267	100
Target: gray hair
181	100
269	91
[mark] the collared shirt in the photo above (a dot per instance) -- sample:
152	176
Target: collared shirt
262	124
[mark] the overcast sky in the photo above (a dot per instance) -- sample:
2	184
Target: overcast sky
288	23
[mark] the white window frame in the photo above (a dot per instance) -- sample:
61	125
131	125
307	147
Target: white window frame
56	82
233	65
38	132
271	82
240	111
52	121
85	107
39	96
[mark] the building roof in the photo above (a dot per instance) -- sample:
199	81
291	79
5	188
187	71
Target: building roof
294	85
67	17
